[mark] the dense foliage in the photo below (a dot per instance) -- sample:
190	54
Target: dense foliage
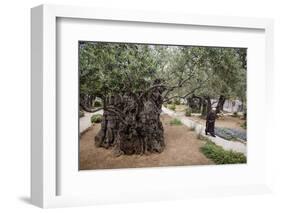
107	68
204	72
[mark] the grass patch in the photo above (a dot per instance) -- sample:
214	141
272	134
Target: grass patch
176	122
221	156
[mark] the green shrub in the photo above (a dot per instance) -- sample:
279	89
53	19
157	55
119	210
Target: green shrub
176	122
97	104
172	107
81	114
188	112
221	156
235	114
97	118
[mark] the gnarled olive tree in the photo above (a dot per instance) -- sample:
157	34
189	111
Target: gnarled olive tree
131	81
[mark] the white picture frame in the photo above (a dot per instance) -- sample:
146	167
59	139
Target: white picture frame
44	150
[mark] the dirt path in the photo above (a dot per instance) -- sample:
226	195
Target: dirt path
182	148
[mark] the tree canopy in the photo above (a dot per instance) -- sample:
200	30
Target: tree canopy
110	68
107	68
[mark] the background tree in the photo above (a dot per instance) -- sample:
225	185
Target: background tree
222	71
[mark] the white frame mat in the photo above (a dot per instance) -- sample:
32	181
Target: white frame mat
45	168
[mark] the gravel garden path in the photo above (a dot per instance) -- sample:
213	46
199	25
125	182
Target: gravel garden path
236	146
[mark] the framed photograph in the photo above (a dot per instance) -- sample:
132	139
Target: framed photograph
129	106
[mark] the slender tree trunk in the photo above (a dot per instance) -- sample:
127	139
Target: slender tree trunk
91	101
206	106
209	104
190	102
200	104
220	104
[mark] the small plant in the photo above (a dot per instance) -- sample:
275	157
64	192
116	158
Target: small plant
81	114
188	112
172	107
244	125
221	156
96	118
97	104
176	122
235	115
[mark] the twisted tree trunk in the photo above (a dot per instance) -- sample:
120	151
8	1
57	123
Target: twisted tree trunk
131	123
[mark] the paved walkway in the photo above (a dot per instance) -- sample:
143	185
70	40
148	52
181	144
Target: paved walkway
200	129
85	121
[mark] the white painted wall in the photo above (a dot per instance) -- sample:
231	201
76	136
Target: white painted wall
232	105
15	105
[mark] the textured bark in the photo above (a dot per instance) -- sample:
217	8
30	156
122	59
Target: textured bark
195	103
87	100
206	106
131	123
220	104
